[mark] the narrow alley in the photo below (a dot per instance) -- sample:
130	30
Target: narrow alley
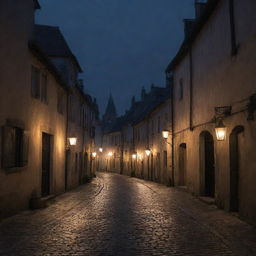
120	215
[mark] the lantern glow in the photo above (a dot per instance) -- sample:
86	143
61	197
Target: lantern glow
165	134
110	154
134	155
221	131
94	154
101	150
148	152
72	141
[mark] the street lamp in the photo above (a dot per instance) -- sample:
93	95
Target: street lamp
134	155
110	154
101	150
165	134
148	152
221	130
94	154
72	141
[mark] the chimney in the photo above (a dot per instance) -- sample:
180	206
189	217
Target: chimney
188	27
199	8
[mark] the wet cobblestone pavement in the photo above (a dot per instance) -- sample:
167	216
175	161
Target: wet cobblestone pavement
118	215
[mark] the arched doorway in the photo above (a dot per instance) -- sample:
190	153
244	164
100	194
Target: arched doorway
234	167
207	164
182	164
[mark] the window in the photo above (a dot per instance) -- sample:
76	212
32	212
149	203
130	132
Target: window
15	147
44	88
81	109
165	159
60	103
152	127
159	124
35	82
181	90
72	108
84	117
92	132
166	116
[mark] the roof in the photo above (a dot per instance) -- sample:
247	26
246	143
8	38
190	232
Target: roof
111	109
140	110
150	104
40	55
52	43
37	5
189	40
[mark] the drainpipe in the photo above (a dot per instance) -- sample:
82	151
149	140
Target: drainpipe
172	128
191	90
232	28
66	149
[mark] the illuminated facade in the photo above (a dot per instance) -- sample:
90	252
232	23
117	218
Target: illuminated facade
214	94
139	131
38	117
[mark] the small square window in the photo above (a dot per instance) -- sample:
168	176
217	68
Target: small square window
15	147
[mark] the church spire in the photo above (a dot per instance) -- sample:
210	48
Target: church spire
110	113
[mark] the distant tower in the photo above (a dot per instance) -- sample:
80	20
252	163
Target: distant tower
110	113
143	93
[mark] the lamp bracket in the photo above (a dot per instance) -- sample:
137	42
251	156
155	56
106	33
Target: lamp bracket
251	107
222	112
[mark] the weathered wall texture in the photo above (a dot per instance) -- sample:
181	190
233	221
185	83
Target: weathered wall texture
220	79
25	117
18	107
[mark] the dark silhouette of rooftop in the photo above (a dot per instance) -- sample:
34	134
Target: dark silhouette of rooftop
110	113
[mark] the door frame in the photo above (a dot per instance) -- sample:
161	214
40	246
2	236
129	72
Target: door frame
234	163
50	179
203	163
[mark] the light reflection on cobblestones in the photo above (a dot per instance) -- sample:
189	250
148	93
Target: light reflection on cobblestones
126	217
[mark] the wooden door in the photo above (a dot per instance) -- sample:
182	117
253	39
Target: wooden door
182	164
209	165
235	164
46	163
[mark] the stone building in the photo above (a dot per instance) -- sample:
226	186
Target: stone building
82	111
214	91
34	113
129	137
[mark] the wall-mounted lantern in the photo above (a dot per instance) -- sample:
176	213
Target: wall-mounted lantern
221	130
148	152
140	156
94	154
101	150
134	155
165	134
110	154
72	141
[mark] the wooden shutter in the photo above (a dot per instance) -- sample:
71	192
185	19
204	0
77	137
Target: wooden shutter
8	148
25	148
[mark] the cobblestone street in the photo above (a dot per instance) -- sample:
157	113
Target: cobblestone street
118	215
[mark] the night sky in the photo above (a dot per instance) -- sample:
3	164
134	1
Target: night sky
121	45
